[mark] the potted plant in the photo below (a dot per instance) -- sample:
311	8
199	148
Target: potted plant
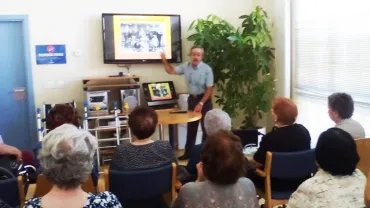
241	59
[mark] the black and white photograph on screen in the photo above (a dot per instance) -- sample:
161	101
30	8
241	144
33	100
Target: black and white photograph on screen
140	37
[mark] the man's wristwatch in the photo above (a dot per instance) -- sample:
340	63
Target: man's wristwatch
201	103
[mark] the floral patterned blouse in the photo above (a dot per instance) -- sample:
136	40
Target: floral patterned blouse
325	191
100	200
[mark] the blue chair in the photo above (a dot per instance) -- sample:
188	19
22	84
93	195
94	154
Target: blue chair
12	191
142	188
287	165
194	159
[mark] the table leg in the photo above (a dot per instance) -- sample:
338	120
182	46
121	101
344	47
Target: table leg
171	135
172	132
161	132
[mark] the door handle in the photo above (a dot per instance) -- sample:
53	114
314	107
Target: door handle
19	89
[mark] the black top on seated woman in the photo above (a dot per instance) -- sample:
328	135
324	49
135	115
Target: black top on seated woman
143	153
286	136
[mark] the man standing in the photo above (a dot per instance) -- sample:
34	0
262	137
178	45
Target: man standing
199	78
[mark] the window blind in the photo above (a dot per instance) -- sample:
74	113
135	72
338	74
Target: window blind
330	53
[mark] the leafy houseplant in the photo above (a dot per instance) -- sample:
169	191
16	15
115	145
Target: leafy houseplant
241	59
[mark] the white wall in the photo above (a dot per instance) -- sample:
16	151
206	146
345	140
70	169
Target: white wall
77	23
278	11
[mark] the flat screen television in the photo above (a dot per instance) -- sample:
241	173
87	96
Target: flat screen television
140	38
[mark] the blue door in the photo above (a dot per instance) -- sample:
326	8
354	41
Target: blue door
17	120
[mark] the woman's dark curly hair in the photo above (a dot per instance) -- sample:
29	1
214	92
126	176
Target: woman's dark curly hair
61	114
223	159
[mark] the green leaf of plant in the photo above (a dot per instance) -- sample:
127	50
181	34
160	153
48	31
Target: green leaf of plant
241	59
191	27
243	16
194	37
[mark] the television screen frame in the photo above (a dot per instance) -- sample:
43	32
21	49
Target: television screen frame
174	59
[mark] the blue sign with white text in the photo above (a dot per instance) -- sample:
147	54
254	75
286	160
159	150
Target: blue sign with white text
51	54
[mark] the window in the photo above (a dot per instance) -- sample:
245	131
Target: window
330	53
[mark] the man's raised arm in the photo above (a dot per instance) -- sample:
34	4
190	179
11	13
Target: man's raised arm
168	67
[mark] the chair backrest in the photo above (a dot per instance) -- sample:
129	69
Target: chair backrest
136	185
12	192
292	165
43	186
194	159
363	150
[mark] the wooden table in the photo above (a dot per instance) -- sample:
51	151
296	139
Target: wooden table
173	119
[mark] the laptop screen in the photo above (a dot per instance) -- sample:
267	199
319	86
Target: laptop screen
160	91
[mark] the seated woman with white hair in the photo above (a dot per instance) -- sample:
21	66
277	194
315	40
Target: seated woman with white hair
66	156
214	121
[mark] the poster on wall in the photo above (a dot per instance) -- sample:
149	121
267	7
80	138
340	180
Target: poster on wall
51	54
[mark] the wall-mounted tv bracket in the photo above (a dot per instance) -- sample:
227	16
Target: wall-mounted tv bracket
127	66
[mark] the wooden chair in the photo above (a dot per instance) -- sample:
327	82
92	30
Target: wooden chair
142	188
12	191
287	165
42	187
363	150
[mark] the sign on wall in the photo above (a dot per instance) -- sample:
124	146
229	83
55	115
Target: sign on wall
51	54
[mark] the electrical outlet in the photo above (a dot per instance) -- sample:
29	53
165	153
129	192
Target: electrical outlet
59	84
77	53
49	85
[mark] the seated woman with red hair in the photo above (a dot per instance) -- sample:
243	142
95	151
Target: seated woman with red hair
286	136
64	114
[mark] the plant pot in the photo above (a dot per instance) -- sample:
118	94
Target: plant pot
250	136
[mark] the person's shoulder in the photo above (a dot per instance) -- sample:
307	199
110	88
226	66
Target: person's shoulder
245	181
300	126
320	177
247	186
359	175
206	66
162	143
123	147
104	199
358	124
32	203
270	135
191	186
185	64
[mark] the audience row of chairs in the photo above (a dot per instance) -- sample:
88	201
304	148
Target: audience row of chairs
143	186
135	188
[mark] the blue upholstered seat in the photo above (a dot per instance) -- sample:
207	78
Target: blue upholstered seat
141	188
9	192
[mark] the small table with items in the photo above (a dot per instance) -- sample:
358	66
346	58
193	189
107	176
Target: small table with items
168	117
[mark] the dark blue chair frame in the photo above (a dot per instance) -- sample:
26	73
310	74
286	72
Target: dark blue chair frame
142	188
12	191
287	165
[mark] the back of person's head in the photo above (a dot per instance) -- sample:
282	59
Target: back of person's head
336	152
222	157
216	120
67	155
143	122
285	110
62	114
342	104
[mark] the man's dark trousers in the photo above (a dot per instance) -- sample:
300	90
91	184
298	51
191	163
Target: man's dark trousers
193	126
